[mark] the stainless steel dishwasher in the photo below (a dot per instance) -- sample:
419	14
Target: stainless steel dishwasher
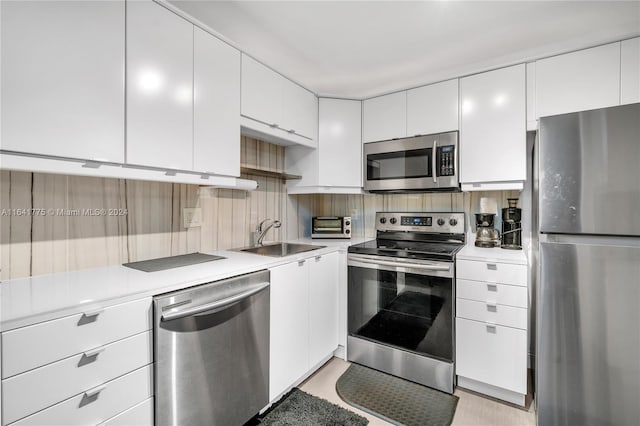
212	352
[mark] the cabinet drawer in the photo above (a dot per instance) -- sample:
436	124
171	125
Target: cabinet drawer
30	347
493	355
492	313
98	404
37	389
493	272
501	294
140	415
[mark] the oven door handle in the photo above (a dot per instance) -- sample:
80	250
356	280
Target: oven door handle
404	265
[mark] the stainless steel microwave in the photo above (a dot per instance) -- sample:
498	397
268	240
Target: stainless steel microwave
331	227
418	164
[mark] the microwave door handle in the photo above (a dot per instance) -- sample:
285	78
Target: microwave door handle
433	161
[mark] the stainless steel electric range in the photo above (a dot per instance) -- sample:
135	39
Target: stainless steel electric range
401	297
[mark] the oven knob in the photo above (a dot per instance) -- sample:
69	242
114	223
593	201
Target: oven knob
441	221
393	220
383	220
453	222
347	223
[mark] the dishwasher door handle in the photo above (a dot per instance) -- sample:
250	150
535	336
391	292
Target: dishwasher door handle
217	305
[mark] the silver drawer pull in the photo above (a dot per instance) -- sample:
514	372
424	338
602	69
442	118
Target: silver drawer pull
491	327
492	287
90	316
492	307
318	258
91	395
301	262
291	131
492	266
89	357
94	352
274	125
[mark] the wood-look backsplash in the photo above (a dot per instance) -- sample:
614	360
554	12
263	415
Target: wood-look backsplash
153	224
59	240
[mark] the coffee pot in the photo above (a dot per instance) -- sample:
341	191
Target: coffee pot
486	235
512	226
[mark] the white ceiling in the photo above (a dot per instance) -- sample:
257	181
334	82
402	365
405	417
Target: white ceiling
357	49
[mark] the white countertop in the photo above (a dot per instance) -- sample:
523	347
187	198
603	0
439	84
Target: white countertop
496	254
27	301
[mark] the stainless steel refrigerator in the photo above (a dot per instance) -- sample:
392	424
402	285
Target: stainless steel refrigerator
588	279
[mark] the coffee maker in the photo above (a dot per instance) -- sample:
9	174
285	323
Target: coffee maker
486	235
512	226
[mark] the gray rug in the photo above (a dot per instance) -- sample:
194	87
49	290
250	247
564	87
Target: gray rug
301	409
395	400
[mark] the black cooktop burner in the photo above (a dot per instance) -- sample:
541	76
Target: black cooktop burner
408	249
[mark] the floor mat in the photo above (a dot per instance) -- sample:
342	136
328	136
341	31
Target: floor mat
395	400
299	408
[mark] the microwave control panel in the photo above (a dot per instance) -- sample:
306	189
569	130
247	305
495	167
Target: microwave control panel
445	158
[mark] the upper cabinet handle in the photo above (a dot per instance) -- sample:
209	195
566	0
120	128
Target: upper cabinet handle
274	125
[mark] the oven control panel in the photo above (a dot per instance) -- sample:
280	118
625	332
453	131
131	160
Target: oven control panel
436	222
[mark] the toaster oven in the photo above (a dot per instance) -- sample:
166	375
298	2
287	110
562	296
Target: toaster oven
331	227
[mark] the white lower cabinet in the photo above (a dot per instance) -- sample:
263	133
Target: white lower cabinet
289	326
323	307
139	415
304	319
80	369
492	354
97	404
491	325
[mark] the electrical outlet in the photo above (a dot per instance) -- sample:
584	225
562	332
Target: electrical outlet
192	217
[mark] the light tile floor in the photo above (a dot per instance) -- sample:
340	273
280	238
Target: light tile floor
472	410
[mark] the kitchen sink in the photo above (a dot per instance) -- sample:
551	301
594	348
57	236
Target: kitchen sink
280	249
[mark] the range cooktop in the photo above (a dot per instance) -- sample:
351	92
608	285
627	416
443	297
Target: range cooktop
437	236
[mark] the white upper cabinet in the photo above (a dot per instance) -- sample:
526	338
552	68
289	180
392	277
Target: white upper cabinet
432	108
287	110
492	129
336	165
339	143
216	106
578	81
299	110
630	72
159	87
63	79
385	117
261	92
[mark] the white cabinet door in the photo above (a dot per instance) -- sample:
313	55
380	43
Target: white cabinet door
261	92
385	117
578	81
432	108
299	110
323	307
492	126
630	72
63	79
216	106
289	327
492	354
159	87
340	143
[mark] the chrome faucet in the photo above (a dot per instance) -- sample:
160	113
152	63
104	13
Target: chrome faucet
261	231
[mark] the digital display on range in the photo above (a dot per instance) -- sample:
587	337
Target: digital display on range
415	221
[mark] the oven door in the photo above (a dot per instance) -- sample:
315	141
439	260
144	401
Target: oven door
404	305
